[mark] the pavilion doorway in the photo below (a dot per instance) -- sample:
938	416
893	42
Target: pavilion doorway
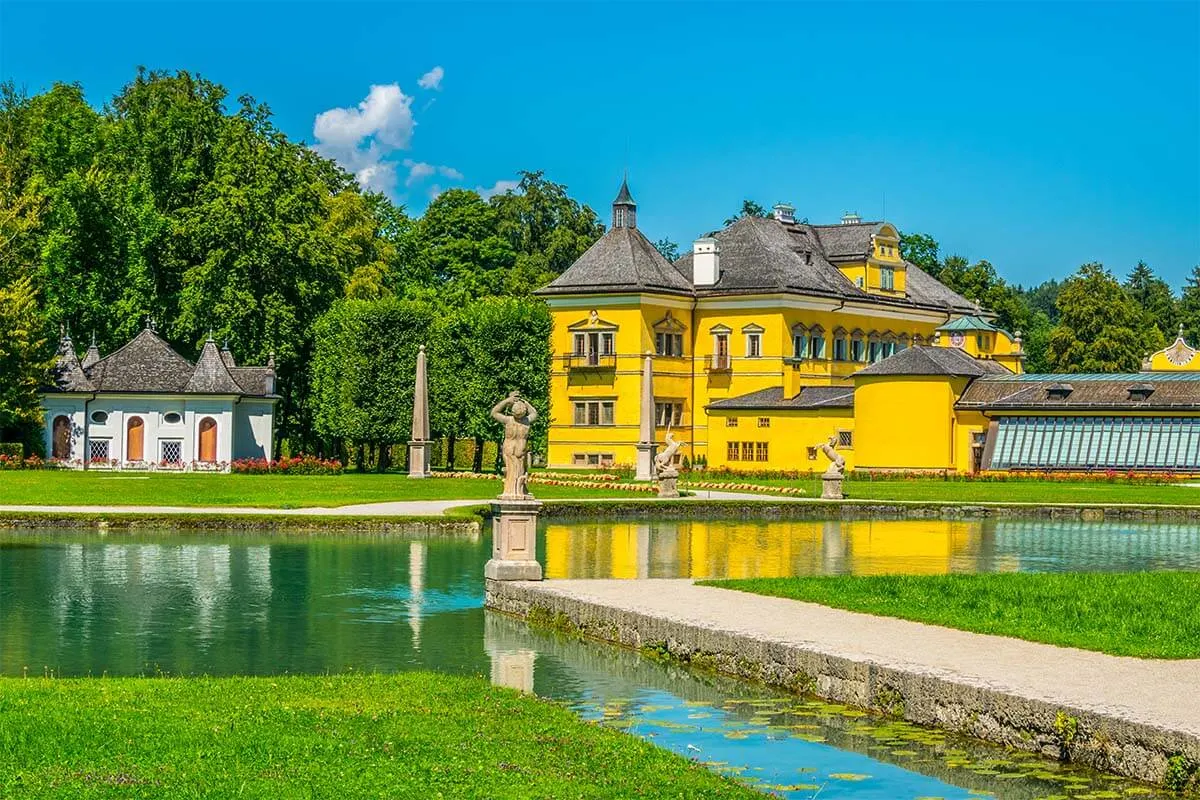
208	440
135	439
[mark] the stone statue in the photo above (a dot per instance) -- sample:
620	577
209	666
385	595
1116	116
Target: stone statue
664	468
521	414
664	462
831	481
837	464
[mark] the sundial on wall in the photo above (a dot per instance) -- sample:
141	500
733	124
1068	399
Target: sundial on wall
1179	353
957	339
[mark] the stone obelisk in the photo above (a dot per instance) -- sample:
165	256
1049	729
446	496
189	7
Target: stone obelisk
419	445
646	446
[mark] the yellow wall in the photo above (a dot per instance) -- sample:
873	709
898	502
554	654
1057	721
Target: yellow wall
691	378
789	435
632	320
906	422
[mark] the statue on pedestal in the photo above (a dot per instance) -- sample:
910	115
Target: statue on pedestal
521	414
515	512
831	481
664	468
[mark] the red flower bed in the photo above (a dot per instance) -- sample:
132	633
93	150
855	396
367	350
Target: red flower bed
296	465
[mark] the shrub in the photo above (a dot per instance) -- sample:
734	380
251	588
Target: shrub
295	465
12	450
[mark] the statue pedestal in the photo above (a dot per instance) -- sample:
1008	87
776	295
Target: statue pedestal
514	541
418	459
645	461
831	487
667	488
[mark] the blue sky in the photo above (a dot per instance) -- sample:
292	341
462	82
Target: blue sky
1036	136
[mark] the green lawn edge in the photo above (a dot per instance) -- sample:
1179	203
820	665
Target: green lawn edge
1140	614
418	735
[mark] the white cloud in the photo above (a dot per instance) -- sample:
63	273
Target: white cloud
432	79
419	171
500	187
361	138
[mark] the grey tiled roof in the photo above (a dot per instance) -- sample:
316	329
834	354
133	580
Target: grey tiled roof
255	381
772	399
92	355
621	260
763	254
67	373
210	375
842	242
757	255
623	196
1107	392
148	364
934	361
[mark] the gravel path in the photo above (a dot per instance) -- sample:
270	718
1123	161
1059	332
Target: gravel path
401	508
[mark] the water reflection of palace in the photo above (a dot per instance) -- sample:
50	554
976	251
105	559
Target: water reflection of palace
697	549
742	549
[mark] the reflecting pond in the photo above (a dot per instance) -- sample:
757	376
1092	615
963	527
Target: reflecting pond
751	549
121	604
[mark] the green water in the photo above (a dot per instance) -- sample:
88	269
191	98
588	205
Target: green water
130	604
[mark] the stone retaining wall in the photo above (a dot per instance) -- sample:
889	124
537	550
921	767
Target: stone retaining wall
1134	750
430	527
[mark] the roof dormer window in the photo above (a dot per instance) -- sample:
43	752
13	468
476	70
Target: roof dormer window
1140	391
1059	391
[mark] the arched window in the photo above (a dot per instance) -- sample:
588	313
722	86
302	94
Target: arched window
60	447
134	439
208	440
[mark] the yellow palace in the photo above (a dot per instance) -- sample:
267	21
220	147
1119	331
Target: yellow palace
773	335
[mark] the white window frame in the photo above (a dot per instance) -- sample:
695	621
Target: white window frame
594	409
668	412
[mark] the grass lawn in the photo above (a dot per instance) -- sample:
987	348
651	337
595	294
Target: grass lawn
46	487
1014	491
1146	614
415	735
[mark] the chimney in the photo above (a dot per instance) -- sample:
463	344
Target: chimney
785	212
706	261
850	218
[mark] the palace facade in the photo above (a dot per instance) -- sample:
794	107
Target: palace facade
772	335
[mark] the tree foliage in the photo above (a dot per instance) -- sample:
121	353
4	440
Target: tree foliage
668	249
178	202
23	363
1098	326
1157	302
749	209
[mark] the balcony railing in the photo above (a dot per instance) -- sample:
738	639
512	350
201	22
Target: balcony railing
719	362
589	361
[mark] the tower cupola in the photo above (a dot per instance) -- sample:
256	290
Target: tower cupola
624	210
